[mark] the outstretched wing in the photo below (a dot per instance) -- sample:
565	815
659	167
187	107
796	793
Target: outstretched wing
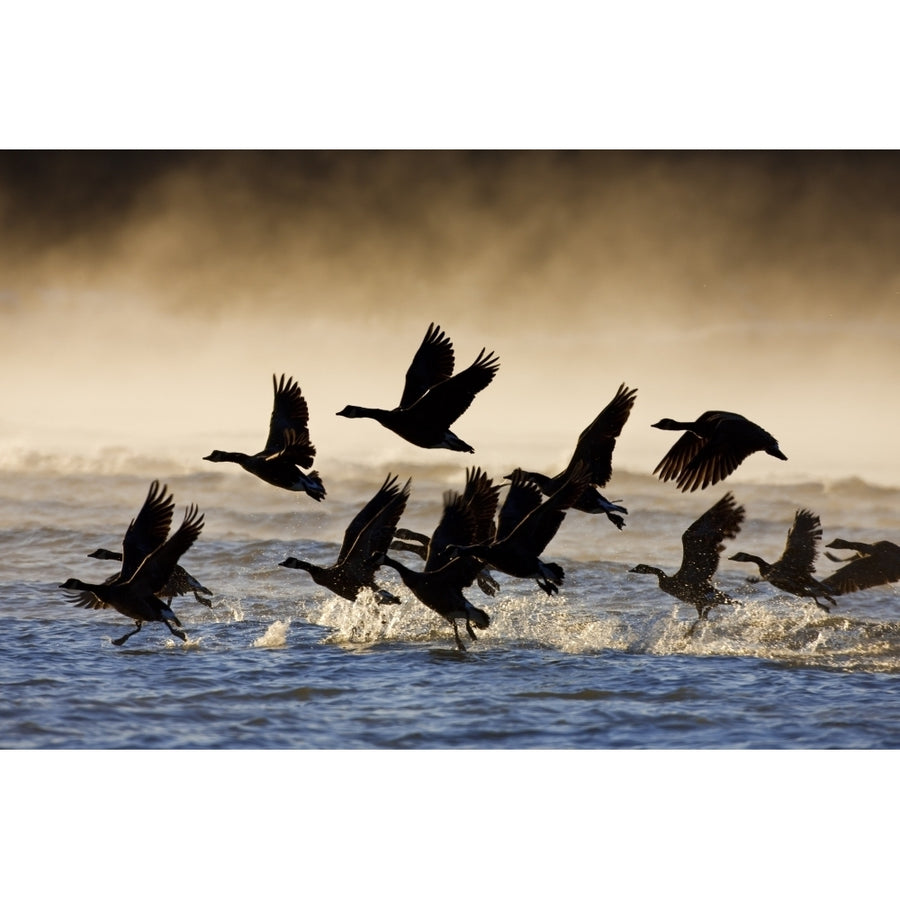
432	364
296	448
732	439
87	600
702	541
157	568
522	498
289	413
872	566
372	528
467	518
449	399
539	527
596	443
147	530
681	453
801	547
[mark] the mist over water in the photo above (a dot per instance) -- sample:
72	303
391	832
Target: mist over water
147	299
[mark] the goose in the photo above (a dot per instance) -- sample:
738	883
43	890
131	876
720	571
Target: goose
872	565
712	448
368	534
522	537
146	531
136	596
181	582
701	545
288	447
792	571
440	585
594	449
433	397
480	495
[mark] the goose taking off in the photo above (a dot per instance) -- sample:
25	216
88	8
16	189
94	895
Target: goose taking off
367	537
594	450
711	448
288	447
871	566
792	571
135	596
480	499
466	518
701	546
524	535
433	397
146	531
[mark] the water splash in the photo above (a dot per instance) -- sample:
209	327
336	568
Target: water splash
275	636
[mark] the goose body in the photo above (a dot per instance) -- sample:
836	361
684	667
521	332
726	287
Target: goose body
366	538
711	448
136	596
792	571
872	565
147	531
181	582
479	500
466	517
594	450
526	528
433	397
288	448
701	546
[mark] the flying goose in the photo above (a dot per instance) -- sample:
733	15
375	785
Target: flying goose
146	531
433	397
367	536
440	585
792	571
522	537
594	450
480	495
711	448
288	447
871	566
702	544
136	596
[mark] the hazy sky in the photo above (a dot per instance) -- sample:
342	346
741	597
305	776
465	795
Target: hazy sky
147	298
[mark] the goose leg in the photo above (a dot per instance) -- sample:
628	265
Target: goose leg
460	645
469	629
119	641
176	631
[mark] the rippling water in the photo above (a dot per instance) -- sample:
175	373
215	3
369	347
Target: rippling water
277	662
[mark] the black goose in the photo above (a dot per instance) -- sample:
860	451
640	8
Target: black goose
368	535
181	582
711	448
146	531
871	566
433	397
702	544
524	535
288	447
594	450
136	596
792	571
480	495
440	588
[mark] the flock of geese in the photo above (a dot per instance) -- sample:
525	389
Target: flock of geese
477	534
